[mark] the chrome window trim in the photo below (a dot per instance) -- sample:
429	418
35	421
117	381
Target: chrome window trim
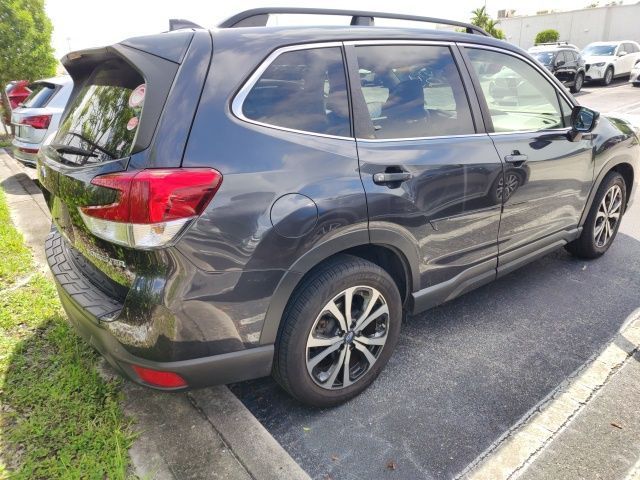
412	139
359	43
541	132
239	98
545	73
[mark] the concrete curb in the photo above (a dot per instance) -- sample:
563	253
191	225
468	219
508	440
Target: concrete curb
206	433
508	457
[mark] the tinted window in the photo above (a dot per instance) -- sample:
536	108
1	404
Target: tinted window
40	95
518	96
103	116
562	57
413	91
545	58
303	90
570	56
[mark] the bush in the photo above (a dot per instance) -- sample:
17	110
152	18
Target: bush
547	36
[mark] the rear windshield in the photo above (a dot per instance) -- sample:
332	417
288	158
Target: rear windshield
40	95
103	117
545	58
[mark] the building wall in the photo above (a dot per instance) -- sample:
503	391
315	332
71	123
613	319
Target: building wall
580	27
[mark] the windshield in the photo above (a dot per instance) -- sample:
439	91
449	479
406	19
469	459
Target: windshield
545	58
40	95
104	116
600	50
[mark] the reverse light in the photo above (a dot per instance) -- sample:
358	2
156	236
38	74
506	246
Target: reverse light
39	122
152	206
158	378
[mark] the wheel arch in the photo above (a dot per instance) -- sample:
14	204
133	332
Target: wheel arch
392	251
617	164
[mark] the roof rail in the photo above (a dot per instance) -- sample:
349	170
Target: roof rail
258	17
179	23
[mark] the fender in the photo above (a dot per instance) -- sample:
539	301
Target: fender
391	236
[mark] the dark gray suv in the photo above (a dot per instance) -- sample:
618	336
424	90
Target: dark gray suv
256	200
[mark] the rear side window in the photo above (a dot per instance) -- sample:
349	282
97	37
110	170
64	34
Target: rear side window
40	95
302	90
413	91
103	118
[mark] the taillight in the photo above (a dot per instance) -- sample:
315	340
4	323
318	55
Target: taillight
152	206
39	122
158	378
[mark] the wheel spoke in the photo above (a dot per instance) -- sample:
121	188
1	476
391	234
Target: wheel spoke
366	352
322	341
337	367
311	363
372	301
346	381
381	310
348	300
335	311
372	340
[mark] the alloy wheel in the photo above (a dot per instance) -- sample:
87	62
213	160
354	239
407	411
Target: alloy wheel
608	76
347	337
506	188
608	216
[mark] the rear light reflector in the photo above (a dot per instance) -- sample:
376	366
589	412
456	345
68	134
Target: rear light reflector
158	378
152	206
39	122
28	150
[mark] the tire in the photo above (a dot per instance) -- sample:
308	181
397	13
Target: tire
577	85
608	76
589	244
307	320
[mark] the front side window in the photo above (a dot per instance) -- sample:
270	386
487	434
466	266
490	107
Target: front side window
413	91
302	90
518	96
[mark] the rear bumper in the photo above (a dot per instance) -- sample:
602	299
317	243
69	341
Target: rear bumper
198	372
23	156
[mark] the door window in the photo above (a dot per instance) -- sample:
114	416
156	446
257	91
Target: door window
519	97
413	91
562	59
302	90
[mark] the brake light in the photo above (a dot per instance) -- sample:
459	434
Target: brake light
152	206
39	122
158	378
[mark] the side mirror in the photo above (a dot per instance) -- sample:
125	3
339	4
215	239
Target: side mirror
583	120
622	53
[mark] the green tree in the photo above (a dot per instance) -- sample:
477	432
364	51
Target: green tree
547	36
25	44
482	19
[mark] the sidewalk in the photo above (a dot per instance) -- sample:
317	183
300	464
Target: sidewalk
589	428
204	434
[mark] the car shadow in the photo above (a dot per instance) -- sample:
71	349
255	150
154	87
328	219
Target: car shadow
463	373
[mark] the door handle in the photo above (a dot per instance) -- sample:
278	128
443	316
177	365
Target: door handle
392	177
516	157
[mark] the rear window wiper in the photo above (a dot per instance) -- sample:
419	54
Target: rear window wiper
73	150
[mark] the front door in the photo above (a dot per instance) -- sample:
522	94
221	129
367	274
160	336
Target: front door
427	170
547	175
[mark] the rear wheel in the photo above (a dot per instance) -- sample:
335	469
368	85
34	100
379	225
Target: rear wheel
604	218
577	85
608	76
338	332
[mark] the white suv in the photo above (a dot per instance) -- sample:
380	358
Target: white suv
606	60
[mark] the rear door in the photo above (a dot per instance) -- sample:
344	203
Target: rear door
428	169
548	176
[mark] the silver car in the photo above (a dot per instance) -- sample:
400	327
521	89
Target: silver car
39	116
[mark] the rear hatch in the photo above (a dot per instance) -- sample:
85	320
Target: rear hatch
32	119
104	141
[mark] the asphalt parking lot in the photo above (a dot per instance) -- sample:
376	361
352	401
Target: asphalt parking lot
465	372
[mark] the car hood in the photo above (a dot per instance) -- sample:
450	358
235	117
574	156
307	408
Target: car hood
591	59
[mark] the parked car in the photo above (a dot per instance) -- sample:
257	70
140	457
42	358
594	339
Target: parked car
39	116
218	224
17	92
635	75
564	62
546	45
608	60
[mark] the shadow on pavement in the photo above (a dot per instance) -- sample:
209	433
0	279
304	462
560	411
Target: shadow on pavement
463	373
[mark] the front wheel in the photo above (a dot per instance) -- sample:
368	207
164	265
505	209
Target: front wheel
338	331
603	221
577	85
608	76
